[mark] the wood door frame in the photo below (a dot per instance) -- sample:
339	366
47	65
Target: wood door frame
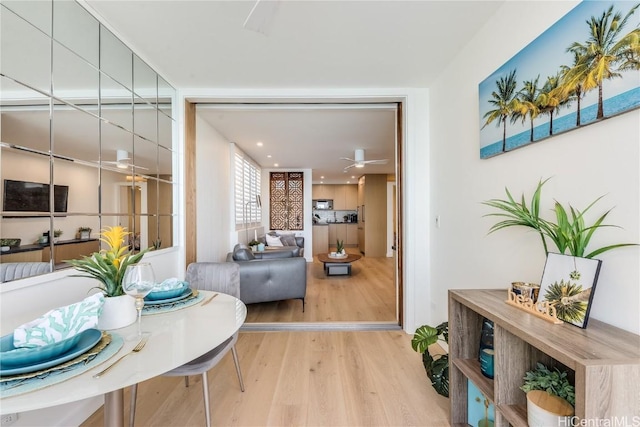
190	193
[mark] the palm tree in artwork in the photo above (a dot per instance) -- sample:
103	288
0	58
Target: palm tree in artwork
551	97
630	51
576	82
504	100
527	104
604	49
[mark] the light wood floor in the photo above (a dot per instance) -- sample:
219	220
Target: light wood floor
369	294
309	378
295	378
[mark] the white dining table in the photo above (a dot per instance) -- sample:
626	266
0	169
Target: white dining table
176	338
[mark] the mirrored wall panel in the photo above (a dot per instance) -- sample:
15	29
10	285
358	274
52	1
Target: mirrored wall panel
85	142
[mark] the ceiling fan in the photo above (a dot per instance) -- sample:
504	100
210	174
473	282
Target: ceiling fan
261	16
123	161
359	161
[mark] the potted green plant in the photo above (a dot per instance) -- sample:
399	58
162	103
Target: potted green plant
108	267
84	233
550	396
569	233
56	235
340	247
437	364
253	244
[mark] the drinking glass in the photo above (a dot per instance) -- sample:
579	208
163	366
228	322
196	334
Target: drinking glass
137	282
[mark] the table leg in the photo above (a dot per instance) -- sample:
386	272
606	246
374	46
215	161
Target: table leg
114	408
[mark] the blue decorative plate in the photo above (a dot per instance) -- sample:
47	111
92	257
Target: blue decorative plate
87	339
164	295
185	293
11	356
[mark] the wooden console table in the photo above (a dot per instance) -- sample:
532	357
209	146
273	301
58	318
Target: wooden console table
603	361
70	249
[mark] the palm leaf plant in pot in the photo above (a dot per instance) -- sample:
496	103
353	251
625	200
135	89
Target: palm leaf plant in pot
108	267
570	233
437	364
550	396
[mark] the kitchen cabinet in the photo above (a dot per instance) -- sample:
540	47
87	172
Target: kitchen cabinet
322	191
344	196
361	239
603	361
333	233
339	198
320	236
352	235
337	232
351	197
372	215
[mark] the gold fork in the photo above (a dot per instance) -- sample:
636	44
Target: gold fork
135	349
209	299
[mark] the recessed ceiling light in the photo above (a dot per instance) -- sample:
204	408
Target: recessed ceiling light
321	182
259	144
353	177
276	165
268	156
348	182
322	177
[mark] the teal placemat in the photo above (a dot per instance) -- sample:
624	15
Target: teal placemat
194	299
14	385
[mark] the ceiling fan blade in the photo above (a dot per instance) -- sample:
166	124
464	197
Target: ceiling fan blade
346	158
376	162
261	16
349	167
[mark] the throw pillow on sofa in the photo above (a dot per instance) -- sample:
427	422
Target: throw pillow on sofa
273	241
288	239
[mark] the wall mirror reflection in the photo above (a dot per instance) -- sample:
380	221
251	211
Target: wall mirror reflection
96	151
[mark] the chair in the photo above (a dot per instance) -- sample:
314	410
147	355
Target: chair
208	276
20	270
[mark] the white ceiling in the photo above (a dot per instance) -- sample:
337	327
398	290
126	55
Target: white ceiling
306	44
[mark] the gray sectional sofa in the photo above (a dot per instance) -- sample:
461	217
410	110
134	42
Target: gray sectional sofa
289	241
272	275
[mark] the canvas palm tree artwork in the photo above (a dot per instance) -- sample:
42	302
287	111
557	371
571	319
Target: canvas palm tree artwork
583	69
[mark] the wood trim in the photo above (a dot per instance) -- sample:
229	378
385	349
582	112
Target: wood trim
190	215
400	211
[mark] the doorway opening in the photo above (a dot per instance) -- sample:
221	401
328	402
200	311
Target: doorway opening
394	262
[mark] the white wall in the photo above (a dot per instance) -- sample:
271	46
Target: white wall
602	158
214	193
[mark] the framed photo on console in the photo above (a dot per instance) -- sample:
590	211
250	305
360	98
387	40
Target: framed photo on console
568	283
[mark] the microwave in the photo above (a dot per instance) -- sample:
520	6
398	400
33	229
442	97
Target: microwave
323	204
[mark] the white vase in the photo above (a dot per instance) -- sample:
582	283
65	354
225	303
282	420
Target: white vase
117	312
546	410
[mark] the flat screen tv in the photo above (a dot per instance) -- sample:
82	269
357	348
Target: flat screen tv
23	196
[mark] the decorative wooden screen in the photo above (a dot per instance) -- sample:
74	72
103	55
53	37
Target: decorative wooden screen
286	200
